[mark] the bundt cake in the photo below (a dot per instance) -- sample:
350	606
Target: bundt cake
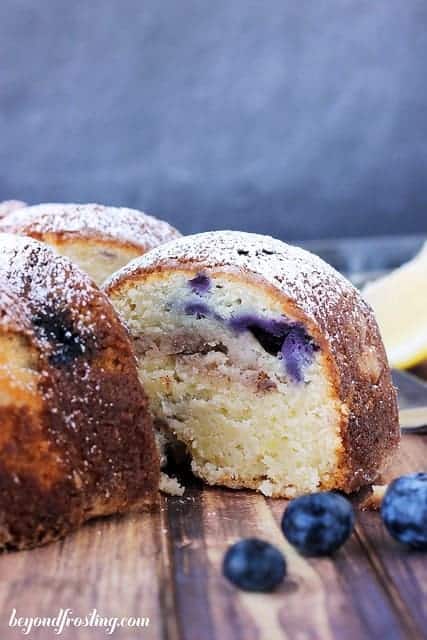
7	206
262	360
99	239
76	440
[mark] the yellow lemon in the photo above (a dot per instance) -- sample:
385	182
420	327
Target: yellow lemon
399	301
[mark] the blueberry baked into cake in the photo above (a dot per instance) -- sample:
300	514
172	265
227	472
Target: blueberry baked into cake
99	239
262	360
72	444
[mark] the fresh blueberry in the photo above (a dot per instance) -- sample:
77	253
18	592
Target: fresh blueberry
318	524
254	565
404	510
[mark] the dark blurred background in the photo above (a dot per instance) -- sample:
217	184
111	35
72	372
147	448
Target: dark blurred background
298	118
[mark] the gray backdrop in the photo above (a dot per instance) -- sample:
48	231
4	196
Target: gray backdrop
294	117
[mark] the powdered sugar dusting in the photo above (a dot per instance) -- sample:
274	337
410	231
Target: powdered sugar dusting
329	307
37	279
45	297
74	328
317	288
7	206
117	224
79	444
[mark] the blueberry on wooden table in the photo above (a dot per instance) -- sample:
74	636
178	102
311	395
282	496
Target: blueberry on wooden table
404	510
319	523
254	565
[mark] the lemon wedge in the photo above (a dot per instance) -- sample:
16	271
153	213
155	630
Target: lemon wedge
399	301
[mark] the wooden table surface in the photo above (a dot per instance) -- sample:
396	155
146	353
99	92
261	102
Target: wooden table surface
167	566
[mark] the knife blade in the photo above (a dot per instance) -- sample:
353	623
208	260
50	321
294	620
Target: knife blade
412	398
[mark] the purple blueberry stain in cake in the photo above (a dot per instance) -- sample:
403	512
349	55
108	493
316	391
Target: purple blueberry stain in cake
297	352
201	310
269	333
200	284
57	328
198	309
281	338
287	340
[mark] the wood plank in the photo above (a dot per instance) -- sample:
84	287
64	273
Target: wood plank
186	540
320	598
403	572
110	565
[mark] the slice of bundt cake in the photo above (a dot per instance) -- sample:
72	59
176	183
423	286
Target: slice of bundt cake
263	360
99	239
75	439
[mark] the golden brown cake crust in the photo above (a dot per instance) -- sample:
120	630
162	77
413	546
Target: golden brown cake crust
336	315
110	225
76	440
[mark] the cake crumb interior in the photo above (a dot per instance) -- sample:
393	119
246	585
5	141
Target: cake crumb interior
243	419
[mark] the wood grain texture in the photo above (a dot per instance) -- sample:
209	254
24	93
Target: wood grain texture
110	565
404	573
167	566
